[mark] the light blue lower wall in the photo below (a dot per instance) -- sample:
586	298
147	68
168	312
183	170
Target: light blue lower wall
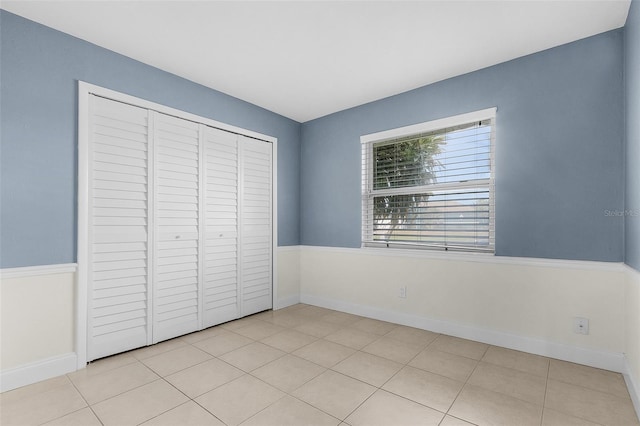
559	151
632	88
39	71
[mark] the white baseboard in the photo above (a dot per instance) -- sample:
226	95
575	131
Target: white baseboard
287	301
606	360
37	371
631	377
632	386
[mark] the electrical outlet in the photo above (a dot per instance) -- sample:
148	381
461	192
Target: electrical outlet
403	292
581	325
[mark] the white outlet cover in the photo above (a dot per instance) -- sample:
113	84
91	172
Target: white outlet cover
581	325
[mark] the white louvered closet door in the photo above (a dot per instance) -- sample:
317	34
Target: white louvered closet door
179	234
118	236
177	254
255	225
220	293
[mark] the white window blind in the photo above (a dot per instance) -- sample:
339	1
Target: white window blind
431	185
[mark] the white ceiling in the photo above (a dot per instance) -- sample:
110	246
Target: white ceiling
307	59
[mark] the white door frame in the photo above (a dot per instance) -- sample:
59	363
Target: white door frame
81	293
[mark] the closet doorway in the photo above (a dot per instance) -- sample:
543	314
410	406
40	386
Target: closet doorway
176	222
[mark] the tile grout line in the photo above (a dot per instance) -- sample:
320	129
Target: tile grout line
546	387
84	399
205	409
380	388
591	389
572	414
187	396
359	405
465	384
510	369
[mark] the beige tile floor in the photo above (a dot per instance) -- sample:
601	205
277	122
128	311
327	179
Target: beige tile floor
305	365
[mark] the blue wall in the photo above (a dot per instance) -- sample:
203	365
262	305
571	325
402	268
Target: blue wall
559	151
632	85
560	148
39	70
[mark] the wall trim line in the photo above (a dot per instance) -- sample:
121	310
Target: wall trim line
475	257
37	371
285	249
600	359
630	269
34	271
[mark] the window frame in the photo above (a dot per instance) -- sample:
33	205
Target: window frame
369	193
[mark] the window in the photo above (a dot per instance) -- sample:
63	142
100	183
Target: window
431	185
